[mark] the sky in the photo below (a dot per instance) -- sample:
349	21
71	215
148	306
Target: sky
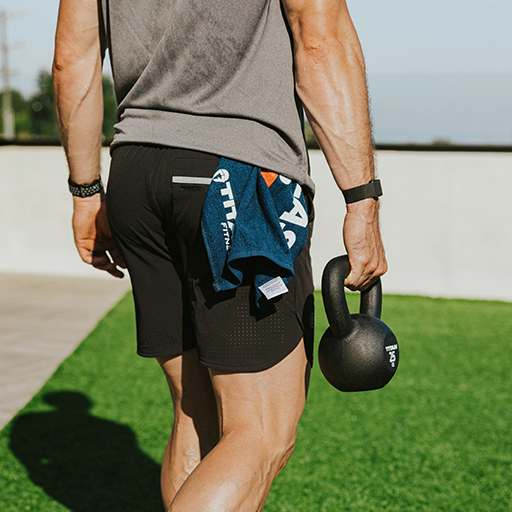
437	70
435	37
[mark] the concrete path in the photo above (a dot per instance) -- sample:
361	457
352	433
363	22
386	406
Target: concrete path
42	320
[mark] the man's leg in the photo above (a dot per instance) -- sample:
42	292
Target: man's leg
196	427
259	413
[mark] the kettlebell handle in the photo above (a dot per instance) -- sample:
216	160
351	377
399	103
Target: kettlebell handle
335	303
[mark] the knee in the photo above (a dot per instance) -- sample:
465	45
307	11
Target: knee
278	447
271	447
283	454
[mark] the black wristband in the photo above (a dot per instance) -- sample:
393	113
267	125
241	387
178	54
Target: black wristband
86	190
372	189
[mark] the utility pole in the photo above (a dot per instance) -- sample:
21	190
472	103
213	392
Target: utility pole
7	111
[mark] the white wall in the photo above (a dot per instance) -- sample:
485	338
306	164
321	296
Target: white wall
446	220
35	213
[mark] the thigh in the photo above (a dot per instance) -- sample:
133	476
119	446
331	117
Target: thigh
191	391
266	403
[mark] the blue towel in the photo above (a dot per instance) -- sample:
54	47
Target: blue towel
257	214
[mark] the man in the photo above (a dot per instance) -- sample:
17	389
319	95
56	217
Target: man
196	81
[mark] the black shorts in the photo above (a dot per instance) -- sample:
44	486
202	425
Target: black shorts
156	225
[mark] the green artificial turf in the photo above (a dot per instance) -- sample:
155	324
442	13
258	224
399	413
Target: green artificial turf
437	438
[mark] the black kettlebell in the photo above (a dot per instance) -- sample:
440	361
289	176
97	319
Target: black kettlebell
357	352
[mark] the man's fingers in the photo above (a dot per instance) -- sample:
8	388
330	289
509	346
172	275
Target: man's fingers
361	284
101	261
117	258
114	253
85	253
363	275
356	281
114	271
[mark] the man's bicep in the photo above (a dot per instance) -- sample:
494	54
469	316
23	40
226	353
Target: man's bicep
77	35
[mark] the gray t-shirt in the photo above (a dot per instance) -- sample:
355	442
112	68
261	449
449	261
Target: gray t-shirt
211	75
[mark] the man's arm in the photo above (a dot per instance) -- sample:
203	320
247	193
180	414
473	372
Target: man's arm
77	71
331	82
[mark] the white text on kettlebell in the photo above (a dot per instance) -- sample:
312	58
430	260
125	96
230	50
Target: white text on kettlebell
391	350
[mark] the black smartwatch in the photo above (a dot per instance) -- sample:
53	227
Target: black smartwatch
87	189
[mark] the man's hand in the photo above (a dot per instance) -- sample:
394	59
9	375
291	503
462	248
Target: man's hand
363	243
92	235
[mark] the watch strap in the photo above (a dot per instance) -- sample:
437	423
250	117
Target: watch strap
372	189
87	189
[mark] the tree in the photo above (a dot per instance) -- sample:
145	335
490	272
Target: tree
44	120
21	107
22	112
36	116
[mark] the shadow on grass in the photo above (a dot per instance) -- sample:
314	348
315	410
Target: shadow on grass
84	462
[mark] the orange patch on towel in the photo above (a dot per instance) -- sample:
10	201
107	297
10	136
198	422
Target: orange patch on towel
269	177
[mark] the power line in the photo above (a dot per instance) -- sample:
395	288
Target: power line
7	110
